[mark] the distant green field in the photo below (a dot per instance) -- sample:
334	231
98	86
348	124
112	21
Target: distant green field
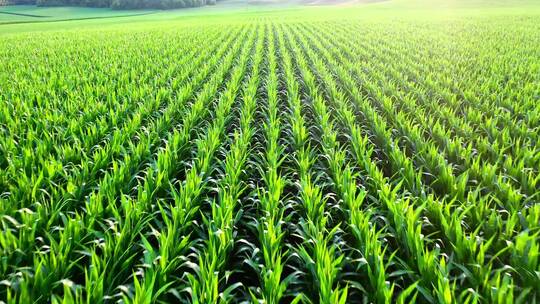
30	13
284	8
271	152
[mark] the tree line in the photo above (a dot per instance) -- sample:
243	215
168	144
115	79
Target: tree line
120	4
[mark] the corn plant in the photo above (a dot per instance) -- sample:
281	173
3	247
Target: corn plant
360	154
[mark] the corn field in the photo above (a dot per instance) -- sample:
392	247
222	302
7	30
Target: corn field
272	161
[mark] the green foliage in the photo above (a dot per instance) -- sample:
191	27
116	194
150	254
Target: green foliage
308	159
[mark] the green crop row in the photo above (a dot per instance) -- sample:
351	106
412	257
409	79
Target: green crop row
322	160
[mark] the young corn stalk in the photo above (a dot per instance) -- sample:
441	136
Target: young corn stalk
468	250
407	234
345	185
319	255
86	134
168	163
206	285
427	262
270	195
52	167
111	186
175	241
47	216
513	198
